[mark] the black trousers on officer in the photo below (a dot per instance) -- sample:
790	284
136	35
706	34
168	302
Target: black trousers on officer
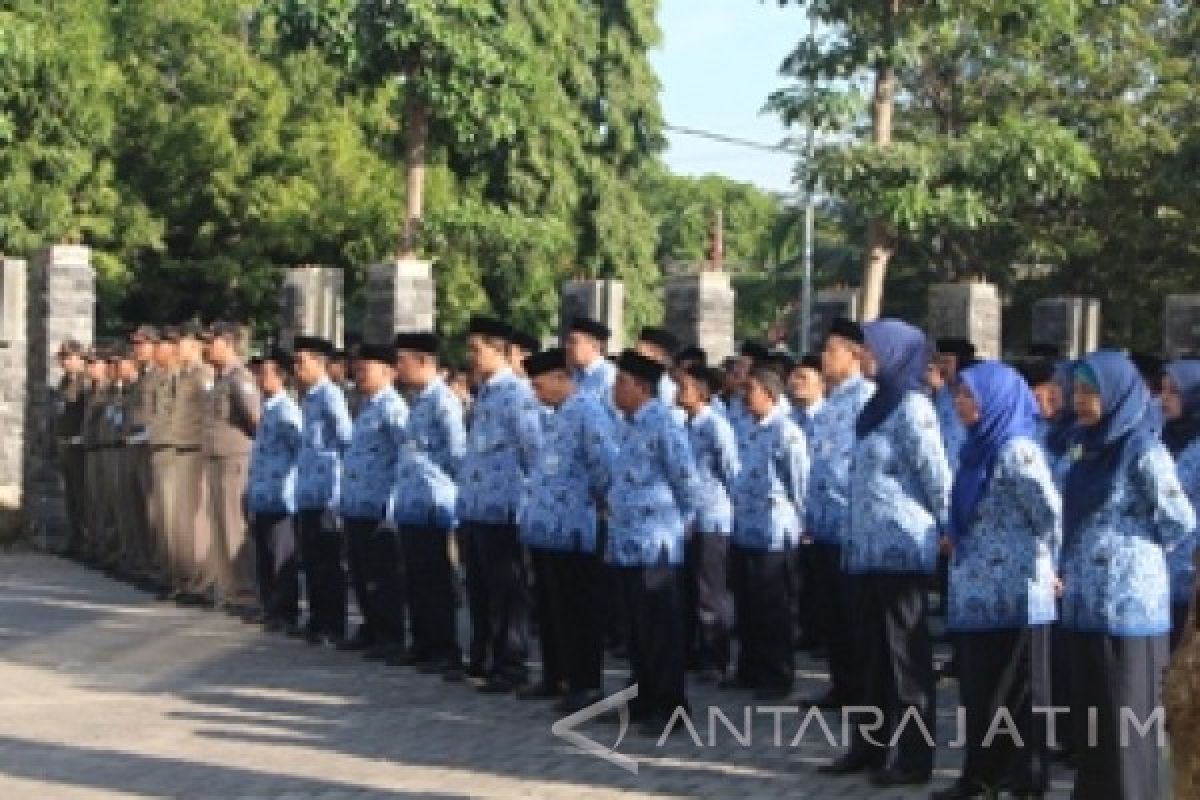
325	579
709	609
1005	669
810	607
654	599
499	599
550	630
375	573
896	657
277	567
429	581
839	593
764	587
576	589
1119	677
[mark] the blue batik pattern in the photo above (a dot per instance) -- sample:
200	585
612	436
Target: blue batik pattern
769	493
832	448
899	493
434	444
271	483
1180	558
1002	572
715	452
327	431
374	452
954	433
597	379
1114	569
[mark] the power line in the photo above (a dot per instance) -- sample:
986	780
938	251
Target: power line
733	140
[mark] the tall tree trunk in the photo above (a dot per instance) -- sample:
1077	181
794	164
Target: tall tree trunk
881	239
416	138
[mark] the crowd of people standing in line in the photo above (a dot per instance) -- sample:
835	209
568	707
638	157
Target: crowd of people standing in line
660	507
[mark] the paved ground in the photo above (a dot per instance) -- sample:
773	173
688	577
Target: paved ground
105	693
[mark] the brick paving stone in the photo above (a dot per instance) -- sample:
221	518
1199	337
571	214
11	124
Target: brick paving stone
106	694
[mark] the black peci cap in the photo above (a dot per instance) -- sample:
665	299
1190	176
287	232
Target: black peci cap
597	330
709	377
422	342
282	358
383	353
754	350
660	337
489	326
313	344
848	329
546	361
526	341
640	367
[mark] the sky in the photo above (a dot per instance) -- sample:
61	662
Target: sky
718	61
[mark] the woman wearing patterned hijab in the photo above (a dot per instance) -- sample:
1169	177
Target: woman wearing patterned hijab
899	502
1005	529
1181	434
1123	510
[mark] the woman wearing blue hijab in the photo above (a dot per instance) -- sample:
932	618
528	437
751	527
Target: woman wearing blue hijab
1123	510
1181	434
1005	530
899	503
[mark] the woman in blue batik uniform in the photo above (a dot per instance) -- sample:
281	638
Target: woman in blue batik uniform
1181	434
1123	510
1005	530
899	501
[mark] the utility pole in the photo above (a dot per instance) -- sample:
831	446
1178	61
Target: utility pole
810	212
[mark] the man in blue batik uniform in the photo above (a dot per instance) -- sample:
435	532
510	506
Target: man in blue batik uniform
326	435
365	504
559	525
271	494
502	446
426	496
652	499
586	344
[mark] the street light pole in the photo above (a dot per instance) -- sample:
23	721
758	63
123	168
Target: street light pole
806	292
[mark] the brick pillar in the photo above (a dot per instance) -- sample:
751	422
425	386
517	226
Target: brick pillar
601	300
61	305
699	310
13	356
401	296
828	305
1072	324
312	304
969	311
1181	326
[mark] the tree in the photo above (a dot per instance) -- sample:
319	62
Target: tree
954	152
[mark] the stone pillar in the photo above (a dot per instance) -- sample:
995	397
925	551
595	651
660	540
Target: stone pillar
699	310
13	355
62	305
601	300
969	311
313	300
401	296
1072	324
1181	326
828	305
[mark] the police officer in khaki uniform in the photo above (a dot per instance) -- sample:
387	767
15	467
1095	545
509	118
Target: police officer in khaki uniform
111	458
68	423
138	497
233	411
126	500
162	455
189	533
92	437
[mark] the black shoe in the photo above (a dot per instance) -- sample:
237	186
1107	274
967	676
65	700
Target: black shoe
849	764
829	701
540	691
472	674
385	652
958	791
440	666
577	701
892	776
499	685
769	694
355	643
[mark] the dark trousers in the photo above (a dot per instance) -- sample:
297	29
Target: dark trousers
499	599
709	611
551	634
1005	669
576	604
324	577
1116	675
429	581
896	655
375	574
277	567
1062	691
75	494
764	588
653	597
809	605
477	605
838	593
